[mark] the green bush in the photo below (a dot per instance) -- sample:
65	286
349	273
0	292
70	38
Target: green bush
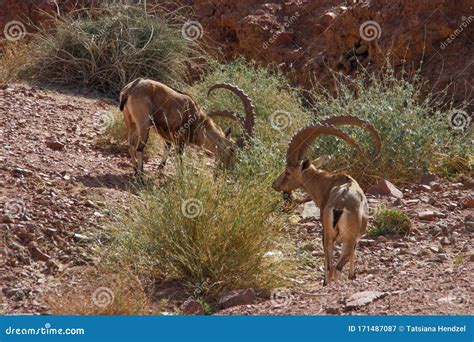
389	222
416	135
206	229
103	49
278	108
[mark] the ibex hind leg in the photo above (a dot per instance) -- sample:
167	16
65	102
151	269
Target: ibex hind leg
329	234
132	138
164	157
349	229
143	132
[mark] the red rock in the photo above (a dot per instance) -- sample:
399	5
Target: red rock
55	145
468	202
385	188
192	307
430	215
237	297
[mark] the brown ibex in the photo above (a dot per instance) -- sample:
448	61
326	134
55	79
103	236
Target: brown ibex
178	119
344	208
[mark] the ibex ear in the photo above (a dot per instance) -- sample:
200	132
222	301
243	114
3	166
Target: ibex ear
228	131
318	162
305	164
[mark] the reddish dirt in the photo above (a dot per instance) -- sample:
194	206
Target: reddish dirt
53	204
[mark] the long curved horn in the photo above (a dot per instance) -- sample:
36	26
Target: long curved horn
229	115
349	120
249	108
300	142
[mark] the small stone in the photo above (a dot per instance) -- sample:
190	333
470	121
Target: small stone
435	249
468	202
81	237
328	17
367	242
385	188
452	206
237	297
90	204
436	186
310	210
381	238
363	298
22	172
192	307
469	225
428	215
7	219
424	187
55	145
400	245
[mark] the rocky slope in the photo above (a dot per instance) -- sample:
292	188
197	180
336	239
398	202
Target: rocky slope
307	38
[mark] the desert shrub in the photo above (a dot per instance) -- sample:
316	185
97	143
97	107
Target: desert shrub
416	135
203	229
278	108
389	221
102	49
13	57
101	292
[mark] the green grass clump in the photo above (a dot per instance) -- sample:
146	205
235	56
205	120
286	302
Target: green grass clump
201	228
389	222
102	49
416	134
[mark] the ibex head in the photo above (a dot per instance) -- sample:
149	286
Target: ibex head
219	141
297	166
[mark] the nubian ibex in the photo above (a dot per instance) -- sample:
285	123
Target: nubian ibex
343	205
178	119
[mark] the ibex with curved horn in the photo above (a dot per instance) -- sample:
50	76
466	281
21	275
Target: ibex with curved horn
344	208
178	120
